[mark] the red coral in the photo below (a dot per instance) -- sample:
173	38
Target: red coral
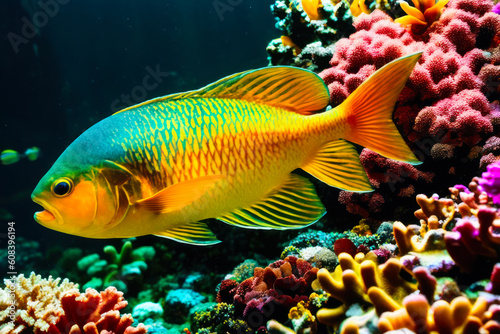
226	291
95	312
344	245
273	290
385	171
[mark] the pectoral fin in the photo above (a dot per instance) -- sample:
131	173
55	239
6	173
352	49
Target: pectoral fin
191	233
178	195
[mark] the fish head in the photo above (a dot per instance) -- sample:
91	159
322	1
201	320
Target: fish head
79	201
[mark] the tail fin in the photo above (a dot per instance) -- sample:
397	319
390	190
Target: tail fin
369	110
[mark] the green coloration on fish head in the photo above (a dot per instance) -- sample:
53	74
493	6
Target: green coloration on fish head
82	193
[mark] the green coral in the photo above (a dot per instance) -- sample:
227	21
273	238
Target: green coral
244	270
120	269
219	319
290	250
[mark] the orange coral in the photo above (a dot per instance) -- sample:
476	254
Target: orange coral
358	7
313	9
287	41
422	15
55	307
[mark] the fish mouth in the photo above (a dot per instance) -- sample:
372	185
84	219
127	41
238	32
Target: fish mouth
44	216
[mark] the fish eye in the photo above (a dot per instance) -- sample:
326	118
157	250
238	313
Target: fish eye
62	187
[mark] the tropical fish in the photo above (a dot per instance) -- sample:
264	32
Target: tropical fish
225	151
9	157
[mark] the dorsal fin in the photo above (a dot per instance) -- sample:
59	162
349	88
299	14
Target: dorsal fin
290	88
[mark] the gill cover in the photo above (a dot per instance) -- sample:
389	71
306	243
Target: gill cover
115	188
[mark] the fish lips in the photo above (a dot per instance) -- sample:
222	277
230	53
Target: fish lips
48	215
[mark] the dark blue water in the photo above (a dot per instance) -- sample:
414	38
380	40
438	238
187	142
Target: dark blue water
67	64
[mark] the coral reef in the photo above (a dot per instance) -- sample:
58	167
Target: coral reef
51	306
490	182
271	292
362	282
37	304
219	319
445	110
308	32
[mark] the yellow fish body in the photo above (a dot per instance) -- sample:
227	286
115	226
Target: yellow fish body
225	151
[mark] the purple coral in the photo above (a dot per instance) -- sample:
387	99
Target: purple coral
490	182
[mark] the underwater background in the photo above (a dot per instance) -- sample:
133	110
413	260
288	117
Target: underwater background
87	60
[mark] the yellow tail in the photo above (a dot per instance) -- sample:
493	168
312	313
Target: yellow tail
368	110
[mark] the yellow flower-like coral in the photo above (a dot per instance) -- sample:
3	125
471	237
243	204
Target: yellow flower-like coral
422	15
358	7
313	9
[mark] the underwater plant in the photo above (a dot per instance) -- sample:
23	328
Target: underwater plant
121	269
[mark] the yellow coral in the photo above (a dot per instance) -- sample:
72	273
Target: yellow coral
302	319
459	316
362	228
422	15
363	282
358	7
435	211
287	41
36	301
313	9
408	239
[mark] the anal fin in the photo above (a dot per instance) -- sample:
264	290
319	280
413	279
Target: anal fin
292	205
191	233
337	164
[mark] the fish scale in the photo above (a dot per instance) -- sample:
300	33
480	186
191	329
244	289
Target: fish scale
225	151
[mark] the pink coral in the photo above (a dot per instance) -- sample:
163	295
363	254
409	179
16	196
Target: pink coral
473	238
445	101
95	312
385	171
461	119
278	288
490	182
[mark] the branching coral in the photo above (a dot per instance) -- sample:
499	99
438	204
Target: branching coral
459	316
490	182
363	282
36	300
95	312
54	307
473	238
121	268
